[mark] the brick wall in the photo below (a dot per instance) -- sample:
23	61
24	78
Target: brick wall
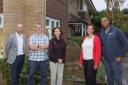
27	12
1	6
34	13
13	14
58	9
1	38
72	9
1	31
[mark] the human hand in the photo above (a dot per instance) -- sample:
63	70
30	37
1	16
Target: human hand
60	61
80	66
96	67
43	46
118	59
34	47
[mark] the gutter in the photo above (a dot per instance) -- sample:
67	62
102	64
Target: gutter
92	5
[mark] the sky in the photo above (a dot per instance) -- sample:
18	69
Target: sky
101	5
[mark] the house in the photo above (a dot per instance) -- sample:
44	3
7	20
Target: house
71	15
80	14
43	11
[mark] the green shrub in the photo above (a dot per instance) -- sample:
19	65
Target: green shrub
78	40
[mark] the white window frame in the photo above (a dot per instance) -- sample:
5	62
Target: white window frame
49	28
84	5
50	20
1	25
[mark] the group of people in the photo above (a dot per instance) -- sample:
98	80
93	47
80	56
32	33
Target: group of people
111	44
38	45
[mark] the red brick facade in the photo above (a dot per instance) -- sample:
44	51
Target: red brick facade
1	6
58	9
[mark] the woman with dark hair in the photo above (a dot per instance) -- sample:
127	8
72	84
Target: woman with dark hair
90	55
57	50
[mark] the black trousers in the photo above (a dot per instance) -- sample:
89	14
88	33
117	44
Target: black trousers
89	72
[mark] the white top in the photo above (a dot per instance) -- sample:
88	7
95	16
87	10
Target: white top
88	48
20	44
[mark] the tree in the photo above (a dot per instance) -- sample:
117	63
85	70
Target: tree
113	7
113	11
125	10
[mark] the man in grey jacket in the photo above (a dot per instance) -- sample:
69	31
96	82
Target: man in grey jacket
15	49
115	45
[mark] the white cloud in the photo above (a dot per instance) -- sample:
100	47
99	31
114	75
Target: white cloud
99	4
125	5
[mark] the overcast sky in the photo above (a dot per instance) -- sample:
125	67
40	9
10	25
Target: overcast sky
101	5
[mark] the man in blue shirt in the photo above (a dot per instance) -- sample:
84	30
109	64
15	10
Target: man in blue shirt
38	56
114	46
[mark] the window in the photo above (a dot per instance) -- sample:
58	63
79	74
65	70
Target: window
1	20
82	5
57	24
50	24
53	24
47	22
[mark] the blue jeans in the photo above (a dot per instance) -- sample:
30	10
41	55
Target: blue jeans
35	65
113	72
16	69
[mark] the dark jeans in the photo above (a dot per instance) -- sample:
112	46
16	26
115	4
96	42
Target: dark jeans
16	69
113	72
89	72
33	66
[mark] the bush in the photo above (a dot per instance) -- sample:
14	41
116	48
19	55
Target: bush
4	67
77	39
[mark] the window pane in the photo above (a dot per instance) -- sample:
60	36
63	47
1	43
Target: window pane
0	20
57	24
47	22
53	24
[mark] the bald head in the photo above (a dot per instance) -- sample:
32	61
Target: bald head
105	22
19	25
19	28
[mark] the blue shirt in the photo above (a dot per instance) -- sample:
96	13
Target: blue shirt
38	55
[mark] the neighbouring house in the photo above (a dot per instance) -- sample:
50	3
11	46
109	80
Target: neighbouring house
71	15
80	14
57	15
